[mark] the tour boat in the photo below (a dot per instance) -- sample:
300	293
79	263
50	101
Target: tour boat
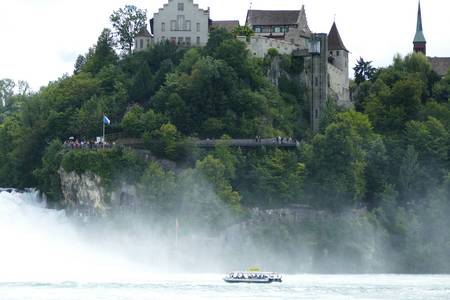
252	277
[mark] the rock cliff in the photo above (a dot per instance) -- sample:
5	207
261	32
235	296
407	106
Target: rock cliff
85	196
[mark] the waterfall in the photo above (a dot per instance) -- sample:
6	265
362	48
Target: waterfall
43	245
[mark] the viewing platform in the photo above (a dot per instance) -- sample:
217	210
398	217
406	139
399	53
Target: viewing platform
211	143
249	143
136	143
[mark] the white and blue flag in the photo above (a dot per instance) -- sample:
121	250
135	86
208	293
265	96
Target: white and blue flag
106	121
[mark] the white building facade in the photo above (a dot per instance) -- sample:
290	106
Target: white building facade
143	40
181	22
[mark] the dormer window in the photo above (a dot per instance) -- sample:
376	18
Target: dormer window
180	6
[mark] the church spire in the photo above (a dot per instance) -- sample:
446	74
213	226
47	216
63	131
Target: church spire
419	39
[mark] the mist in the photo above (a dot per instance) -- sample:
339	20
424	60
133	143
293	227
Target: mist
40	244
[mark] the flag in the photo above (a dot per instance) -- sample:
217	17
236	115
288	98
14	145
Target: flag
106	121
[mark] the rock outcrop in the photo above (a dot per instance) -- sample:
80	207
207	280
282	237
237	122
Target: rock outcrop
85	196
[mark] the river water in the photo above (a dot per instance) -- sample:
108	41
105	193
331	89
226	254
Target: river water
44	256
211	286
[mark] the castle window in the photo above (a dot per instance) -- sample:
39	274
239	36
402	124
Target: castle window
163	26
173	25
198	27
277	29
198	40
337	53
317	113
316	80
180	41
257	29
141	43
187	25
173	40
180	6
180	22
188	41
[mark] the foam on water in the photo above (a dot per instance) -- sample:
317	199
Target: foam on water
39	244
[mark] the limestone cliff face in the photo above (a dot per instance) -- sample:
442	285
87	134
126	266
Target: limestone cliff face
85	196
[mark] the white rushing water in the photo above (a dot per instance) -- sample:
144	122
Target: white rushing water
45	256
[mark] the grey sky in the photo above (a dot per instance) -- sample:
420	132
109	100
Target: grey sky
42	38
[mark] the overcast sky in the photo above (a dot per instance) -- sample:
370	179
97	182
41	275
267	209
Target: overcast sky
40	39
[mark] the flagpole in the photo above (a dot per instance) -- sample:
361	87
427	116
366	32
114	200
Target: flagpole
103	141
176	233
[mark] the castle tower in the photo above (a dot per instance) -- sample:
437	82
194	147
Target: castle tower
337	52
420	44
338	68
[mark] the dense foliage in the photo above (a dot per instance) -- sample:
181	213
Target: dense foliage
389	158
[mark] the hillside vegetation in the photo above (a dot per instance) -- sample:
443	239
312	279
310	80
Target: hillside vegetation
389	157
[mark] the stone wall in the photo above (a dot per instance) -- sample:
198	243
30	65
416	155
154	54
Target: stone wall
258	46
339	86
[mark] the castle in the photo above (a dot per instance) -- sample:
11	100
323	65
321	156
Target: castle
325	56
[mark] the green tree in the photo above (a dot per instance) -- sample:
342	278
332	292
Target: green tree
47	175
6	92
132	124
216	38
364	71
79	64
243	31
102	55
279	178
166	142
87	119
441	90
339	161
127	22
214	171
410	175
158	187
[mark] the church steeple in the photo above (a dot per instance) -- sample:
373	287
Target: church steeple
420	44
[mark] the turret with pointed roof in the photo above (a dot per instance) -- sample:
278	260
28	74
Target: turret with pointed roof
338	53
338	67
334	39
420	44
